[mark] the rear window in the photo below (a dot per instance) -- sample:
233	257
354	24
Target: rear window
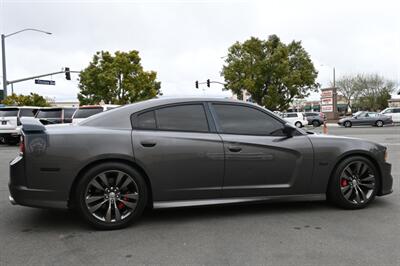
9	112
69	112
49	113
311	114
86	112
27	112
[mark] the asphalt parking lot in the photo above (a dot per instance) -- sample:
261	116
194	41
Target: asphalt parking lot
302	233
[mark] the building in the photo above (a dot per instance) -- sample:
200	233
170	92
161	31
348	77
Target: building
394	102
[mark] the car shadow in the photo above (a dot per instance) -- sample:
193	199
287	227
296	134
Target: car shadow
64	221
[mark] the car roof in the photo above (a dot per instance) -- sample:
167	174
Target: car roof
119	117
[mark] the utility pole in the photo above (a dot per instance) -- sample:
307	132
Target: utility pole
334	78
3	51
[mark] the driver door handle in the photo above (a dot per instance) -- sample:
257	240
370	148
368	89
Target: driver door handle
234	148
148	143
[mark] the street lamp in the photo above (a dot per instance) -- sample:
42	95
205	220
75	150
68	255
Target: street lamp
3	50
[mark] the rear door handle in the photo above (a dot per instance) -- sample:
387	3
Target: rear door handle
148	143
234	148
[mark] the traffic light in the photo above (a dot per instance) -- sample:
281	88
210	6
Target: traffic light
197	84
67	74
208	83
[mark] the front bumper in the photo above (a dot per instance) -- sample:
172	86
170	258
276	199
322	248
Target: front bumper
386	180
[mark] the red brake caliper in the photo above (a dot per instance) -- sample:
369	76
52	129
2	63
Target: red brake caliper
344	182
121	205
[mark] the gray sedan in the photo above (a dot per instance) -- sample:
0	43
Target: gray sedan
366	119
188	152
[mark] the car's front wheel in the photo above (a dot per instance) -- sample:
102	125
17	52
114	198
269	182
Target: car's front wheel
111	195
316	123
354	183
347	124
379	123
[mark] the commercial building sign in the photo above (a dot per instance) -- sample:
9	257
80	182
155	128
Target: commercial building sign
327	108
327	101
327	94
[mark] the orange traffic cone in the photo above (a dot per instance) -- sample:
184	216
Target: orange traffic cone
325	128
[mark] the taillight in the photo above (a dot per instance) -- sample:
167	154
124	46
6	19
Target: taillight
21	145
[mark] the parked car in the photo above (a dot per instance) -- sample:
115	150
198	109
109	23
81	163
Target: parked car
86	111
393	112
188	152
9	122
296	119
365	119
315	118
55	115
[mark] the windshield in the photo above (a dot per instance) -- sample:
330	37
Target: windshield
357	113
49	113
9	112
86	112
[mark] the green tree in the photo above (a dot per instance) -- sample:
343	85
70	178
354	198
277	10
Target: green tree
32	99
348	87
117	79
273	73
374	91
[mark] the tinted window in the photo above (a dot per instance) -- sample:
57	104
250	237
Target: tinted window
236	119
182	118
396	110
86	112
68	112
9	112
27	112
146	120
291	115
49	113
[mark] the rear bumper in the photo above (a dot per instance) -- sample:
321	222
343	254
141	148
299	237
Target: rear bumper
21	194
386	180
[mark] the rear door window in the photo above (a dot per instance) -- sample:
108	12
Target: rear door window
190	117
8	111
49	113
25	112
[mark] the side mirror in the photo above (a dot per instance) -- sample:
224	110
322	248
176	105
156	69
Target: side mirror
288	130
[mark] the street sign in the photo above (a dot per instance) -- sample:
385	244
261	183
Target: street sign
45	82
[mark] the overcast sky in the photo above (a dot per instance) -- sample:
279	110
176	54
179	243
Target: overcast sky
184	40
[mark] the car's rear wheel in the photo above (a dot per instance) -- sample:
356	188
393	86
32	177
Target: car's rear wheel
354	183
379	123
298	124
347	124
316	123
111	195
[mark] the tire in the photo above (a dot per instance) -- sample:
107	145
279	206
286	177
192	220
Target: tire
357	193
125	195
379	123
298	124
316	123
347	124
